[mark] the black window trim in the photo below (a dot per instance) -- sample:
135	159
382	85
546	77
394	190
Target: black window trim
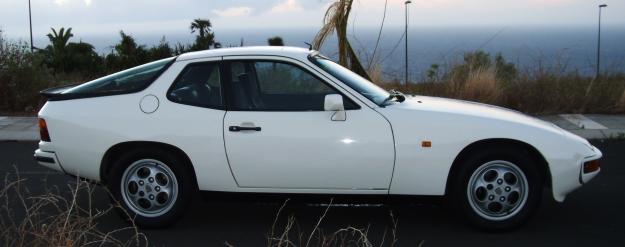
60	96
224	97
228	82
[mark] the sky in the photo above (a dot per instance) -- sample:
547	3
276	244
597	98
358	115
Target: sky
99	17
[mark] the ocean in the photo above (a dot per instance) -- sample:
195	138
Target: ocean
560	49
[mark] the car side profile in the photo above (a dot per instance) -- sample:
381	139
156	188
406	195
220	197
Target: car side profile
289	120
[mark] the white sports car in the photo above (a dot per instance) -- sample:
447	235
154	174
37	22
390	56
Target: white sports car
289	120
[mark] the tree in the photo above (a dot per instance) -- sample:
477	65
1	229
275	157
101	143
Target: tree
127	54
432	72
56	52
275	41
506	71
335	19
205	37
82	58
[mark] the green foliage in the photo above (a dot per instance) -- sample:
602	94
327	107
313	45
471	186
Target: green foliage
22	76
275	41
506	71
432	73
127	53
481	61
181	48
160	51
82	58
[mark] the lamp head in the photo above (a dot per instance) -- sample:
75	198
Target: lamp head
603	5
407	2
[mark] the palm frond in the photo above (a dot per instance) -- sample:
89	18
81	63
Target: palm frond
336	20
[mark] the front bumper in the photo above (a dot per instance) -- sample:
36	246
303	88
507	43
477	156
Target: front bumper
568	175
48	159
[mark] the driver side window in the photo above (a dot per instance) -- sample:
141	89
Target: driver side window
278	86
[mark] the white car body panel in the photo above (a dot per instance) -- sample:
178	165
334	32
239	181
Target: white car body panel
355	154
452	125
377	150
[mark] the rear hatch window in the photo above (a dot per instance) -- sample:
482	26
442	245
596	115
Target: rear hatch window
127	81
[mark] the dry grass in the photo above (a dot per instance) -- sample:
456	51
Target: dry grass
621	103
375	72
54	219
57	218
292	235
535	94
481	85
542	89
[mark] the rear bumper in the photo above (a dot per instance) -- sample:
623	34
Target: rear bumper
48	159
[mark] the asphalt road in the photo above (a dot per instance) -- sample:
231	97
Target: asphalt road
591	216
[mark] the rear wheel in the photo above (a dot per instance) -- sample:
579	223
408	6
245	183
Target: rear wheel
497	190
152	186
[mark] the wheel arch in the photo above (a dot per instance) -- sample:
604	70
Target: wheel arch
541	162
117	150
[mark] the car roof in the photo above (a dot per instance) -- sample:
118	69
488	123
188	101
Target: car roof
286	51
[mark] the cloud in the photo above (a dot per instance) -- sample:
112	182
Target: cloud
61	2
288	6
65	2
233	11
549	2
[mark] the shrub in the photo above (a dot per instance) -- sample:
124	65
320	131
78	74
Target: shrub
275	41
22	76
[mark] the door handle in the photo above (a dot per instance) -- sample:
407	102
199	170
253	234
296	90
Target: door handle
240	128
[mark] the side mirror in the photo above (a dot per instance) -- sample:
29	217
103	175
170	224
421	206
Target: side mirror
334	102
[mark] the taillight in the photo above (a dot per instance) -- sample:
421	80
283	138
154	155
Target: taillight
43	130
592	166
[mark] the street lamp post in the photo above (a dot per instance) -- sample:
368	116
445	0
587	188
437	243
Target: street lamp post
406	31
30	22
599	43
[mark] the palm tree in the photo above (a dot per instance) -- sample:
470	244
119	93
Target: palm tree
59	43
335	19
205	36
59	40
203	26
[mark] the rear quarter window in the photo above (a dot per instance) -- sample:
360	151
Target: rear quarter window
127	81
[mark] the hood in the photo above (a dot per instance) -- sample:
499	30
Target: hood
474	110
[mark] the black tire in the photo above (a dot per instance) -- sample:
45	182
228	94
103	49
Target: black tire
483	216
184	183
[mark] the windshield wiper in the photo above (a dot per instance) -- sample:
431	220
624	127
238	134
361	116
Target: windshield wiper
394	94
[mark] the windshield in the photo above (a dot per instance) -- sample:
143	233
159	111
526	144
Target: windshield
130	80
351	79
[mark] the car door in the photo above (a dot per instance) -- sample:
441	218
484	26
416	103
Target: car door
277	134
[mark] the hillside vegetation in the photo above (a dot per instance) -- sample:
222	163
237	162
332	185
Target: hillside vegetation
478	77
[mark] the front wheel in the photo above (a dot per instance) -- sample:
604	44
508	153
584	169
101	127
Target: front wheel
498	190
153	187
